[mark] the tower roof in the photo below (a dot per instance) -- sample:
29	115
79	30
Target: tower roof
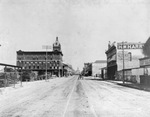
56	42
56	45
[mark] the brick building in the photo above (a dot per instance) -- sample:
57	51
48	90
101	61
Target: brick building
112	67
37	60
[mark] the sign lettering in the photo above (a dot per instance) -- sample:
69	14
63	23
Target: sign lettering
130	45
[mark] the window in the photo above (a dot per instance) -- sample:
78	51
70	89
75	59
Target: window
19	58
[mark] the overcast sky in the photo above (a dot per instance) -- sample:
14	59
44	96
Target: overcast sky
84	27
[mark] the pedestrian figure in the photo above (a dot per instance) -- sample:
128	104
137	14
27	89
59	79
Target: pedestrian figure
79	77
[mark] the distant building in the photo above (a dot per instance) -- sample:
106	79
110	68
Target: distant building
104	73
97	66
36	60
87	70
68	70
77	72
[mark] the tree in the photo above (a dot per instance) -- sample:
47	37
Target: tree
26	76
146	48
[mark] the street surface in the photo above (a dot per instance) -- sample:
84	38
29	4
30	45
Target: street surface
69	97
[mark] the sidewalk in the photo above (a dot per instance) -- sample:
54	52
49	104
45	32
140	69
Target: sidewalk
131	85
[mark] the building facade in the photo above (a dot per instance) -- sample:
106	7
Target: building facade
68	70
97	66
123	56
104	73
42	61
111	54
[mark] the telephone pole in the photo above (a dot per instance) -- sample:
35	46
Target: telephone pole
46	47
123	78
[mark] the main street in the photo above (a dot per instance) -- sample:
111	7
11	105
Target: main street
69	97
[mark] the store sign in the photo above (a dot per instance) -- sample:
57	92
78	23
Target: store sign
130	45
144	62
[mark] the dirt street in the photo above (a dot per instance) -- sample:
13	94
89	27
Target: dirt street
69	97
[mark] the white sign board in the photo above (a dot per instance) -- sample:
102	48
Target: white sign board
130	45
47	47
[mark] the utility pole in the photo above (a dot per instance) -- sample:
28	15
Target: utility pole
21	77
46	47
59	70
123	62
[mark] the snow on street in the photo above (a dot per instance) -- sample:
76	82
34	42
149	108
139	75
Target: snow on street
69	97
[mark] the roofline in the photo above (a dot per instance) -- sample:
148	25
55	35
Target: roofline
111	48
32	51
3	64
144	58
100	61
20	51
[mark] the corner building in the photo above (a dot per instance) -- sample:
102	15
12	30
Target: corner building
37	60
127	53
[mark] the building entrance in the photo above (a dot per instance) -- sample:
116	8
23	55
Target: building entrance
111	72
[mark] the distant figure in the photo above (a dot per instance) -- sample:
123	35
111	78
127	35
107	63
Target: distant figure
80	77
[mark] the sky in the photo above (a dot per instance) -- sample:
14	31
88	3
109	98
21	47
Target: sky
84	27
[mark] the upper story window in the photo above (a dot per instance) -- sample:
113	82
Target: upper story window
19	57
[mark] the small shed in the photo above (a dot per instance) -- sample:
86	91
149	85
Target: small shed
145	64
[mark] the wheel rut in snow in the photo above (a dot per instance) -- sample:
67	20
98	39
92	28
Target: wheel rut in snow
79	104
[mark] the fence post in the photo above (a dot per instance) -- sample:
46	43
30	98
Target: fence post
13	76
21	77
5	80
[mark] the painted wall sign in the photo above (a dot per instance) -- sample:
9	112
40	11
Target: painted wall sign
130	45
127	55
